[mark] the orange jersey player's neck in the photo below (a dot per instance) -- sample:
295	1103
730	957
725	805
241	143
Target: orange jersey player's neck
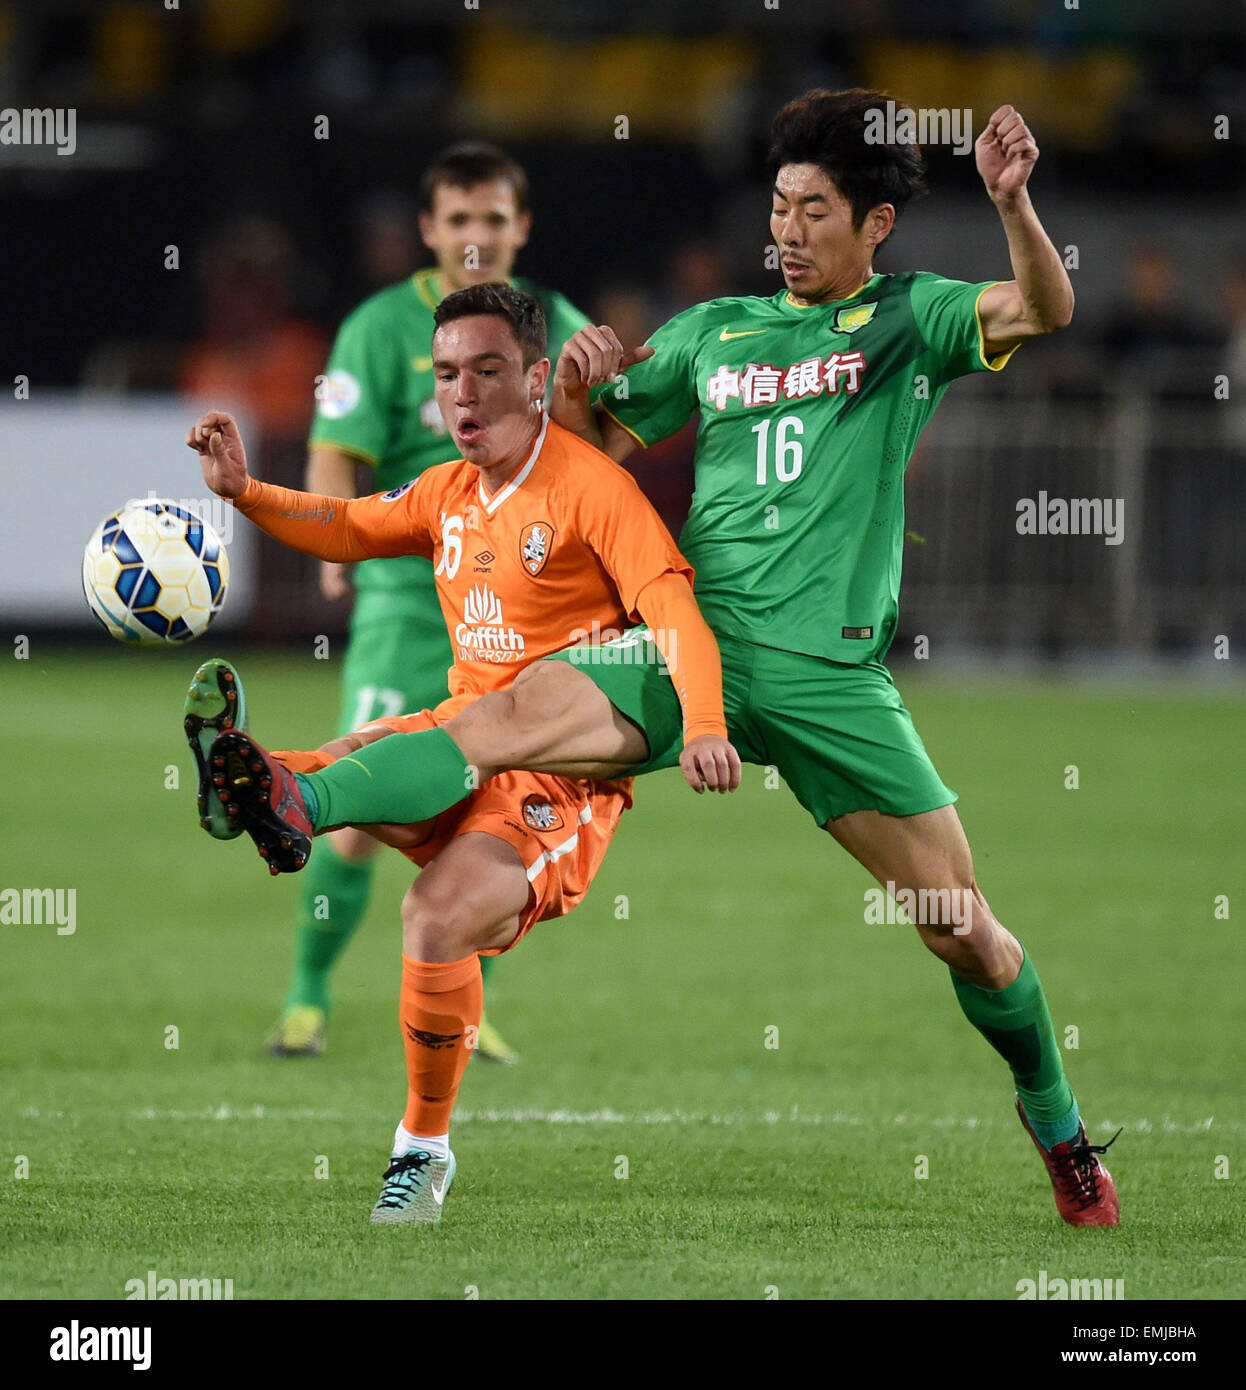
495	476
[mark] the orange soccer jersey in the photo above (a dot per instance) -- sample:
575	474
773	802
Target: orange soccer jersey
568	548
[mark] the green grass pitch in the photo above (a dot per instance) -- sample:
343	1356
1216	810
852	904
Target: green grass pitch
749	1169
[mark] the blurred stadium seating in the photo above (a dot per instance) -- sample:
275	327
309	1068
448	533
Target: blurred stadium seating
202	119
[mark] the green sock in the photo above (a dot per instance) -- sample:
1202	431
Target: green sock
486	968
333	897
402	778
1016	1023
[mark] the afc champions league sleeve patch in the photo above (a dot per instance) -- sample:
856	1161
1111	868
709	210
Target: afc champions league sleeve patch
396	493
337	395
535	541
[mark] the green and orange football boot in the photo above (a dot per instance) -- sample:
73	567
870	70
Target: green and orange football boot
214	704
263	798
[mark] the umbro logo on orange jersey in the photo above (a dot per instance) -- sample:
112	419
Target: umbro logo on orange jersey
484	562
725	336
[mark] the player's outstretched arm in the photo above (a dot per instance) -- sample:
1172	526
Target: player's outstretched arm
332	528
1040	299
590	358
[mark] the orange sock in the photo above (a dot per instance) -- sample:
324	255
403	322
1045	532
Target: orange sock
298	761
440	1003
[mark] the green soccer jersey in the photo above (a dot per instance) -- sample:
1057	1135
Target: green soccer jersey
808	417
376	402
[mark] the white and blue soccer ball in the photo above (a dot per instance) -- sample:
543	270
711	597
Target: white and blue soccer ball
154	572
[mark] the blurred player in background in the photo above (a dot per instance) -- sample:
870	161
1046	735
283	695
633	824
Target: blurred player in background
376	407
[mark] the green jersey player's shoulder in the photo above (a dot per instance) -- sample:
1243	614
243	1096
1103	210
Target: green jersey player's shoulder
948	316
711	317
729	306
925	280
562	318
546	295
925	287
397	300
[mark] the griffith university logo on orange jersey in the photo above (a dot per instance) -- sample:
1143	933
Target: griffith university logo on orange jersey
483	635
535	541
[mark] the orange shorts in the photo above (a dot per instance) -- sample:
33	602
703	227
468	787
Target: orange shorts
560	826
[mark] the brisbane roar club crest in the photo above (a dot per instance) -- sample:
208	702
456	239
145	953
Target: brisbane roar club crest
535	541
539	814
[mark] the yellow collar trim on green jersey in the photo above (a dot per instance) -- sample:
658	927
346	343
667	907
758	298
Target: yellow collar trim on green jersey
826	303
421	283
425	283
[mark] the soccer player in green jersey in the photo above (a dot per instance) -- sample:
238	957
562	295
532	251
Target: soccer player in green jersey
810	404
376	406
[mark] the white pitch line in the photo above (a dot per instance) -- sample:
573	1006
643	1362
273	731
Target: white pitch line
607	1116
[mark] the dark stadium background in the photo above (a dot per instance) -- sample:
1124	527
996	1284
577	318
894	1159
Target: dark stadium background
192	121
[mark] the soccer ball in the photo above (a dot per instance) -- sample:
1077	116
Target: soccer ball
154	572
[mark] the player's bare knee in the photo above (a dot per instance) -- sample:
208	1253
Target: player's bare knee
972	942
545	688
484	733
509	728
434	928
544	695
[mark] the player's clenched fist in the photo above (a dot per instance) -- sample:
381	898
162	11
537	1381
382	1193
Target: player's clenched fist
710	763
214	437
593	356
1005	153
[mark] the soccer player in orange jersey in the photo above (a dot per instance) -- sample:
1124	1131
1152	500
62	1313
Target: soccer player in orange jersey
539	540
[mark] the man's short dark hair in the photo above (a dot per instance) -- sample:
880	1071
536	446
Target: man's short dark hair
828	129
470	163
520	310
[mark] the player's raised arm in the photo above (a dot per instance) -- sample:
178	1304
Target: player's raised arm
1040	299
332	528
589	358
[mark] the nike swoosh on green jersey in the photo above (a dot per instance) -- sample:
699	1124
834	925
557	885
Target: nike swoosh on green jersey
725	336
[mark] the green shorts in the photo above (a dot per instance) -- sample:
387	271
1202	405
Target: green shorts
838	735
395	664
